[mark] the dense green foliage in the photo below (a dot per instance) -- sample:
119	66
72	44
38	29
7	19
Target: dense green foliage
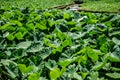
102	5
62	45
36	4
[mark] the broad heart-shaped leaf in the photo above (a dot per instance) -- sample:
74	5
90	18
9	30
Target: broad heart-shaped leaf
100	65
29	69
62	70
102	39
55	73
51	64
66	16
6	34
61	35
77	76
94	76
24	45
58	49
82	59
46	53
22	68
92	53
41	27
114	57
104	48
16	22
66	62
114	33
7	62
25	69
10	37
89	51
67	42
115	69
116	41
113	75
4	26
51	23
34	76
48	43
19	35
71	23
35	49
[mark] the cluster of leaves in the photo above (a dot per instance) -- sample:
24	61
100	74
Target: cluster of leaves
59	45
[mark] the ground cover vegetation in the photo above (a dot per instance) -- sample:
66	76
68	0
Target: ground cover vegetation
35	4
94	5
102	5
47	44
58	45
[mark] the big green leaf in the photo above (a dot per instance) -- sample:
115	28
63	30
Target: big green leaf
66	16
104	48
58	49
66	62
61	35
116	41
10	37
24	45
36	48
92	54
55	73
67	42
41	27
94	76
114	57
19	35
25	69
113	75
100	65
34	76
102	39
